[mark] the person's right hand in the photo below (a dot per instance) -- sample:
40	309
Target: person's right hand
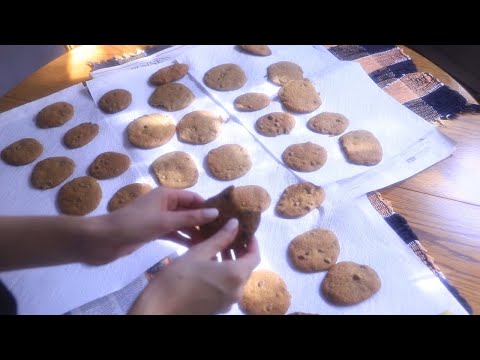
196	284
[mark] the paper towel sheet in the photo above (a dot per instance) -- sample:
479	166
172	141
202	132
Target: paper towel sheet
408	286
266	171
364	236
57	289
344	88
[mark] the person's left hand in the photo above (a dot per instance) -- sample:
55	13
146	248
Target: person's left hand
160	213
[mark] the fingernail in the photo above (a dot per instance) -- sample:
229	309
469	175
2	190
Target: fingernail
231	225
210	213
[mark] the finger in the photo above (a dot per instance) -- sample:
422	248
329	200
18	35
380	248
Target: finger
250	260
184	199
219	241
190	218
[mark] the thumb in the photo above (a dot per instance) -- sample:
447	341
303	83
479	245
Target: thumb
189	218
220	240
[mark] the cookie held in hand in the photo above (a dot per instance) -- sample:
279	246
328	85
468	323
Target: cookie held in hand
227	207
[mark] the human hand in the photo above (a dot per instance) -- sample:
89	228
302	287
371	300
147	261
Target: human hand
159	213
195	284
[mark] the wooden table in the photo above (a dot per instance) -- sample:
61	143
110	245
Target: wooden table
442	203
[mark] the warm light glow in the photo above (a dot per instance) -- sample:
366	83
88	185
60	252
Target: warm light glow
79	58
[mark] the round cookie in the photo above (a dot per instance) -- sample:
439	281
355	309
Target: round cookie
109	165
328	123
284	71
226	77
248	221
304	157
115	101
80	135
151	131
51	172
298	200
80	196
274	124
361	147
348	283
22	152
314	250
259	50
265	293
176	170
168	74
300	96
171	97
127	194
251	197
251	102
228	162
55	115
199	127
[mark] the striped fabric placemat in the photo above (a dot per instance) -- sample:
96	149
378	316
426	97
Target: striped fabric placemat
395	72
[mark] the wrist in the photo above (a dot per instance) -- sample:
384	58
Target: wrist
146	304
95	234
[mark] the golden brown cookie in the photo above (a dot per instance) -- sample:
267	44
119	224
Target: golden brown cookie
314	250
51	172
199	127
251	102
55	115
151	131
274	124
22	152
300	96
168	74
109	165
175	169
80	196
348	283
265	293
248	221
305	157
251	197
361	147
171	97
284	71
328	123
259	50
299	199
80	135
115	101
127	194
228	162
226	77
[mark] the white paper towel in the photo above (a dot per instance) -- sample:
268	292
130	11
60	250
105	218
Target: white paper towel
57	289
408	286
356	226
266	171
344	88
